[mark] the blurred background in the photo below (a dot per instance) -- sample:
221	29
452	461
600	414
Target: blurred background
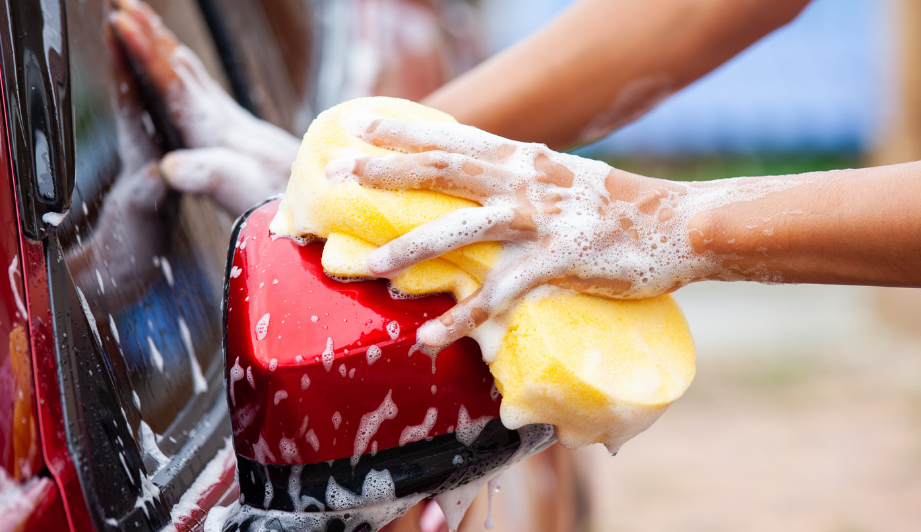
806	411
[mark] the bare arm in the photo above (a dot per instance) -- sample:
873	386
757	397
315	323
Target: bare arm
839	227
603	63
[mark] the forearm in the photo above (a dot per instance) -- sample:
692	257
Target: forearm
604	62
841	227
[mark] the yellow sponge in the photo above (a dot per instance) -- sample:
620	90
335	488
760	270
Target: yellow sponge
599	370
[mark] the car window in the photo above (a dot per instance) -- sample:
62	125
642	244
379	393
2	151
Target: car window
268	48
142	266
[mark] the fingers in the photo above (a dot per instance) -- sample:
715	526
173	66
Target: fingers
451	231
450	173
233	180
193	99
416	137
147	40
500	288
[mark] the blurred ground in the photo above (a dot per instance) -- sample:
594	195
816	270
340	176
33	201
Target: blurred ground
805	415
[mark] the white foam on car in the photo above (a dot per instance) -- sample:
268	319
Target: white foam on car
369	425
375	505
200	385
373	354
149	444
468	429
421	431
155	354
262	326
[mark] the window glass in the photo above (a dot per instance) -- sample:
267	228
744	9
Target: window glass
146	260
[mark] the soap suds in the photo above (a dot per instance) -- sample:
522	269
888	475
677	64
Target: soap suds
393	330
155	354
370	509
421	431
149	444
369	424
469	429
373	354
329	355
54	218
236	375
262	326
280	396
200	385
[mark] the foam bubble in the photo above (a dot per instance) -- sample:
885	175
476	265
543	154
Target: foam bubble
329	355
312	440
370	423
262	326
236	374
469	429
393	330
421	431
280	395
373	354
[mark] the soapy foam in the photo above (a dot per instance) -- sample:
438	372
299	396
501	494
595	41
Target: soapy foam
492	487
393	330
155	354
200	385
303	429
92	322
421	431
289	452
206	480
114	330
329	355
167	271
454	503
549	228
236	375
369	424
262	326
369	510
280	395
312	440
375	504
149	444
373	354
54	218
469	429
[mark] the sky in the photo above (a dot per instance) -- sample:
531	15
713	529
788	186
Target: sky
820	84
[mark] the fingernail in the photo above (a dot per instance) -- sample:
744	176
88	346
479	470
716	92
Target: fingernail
379	262
433	334
340	170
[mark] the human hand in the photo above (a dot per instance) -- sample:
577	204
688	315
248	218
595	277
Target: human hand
230	156
565	220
